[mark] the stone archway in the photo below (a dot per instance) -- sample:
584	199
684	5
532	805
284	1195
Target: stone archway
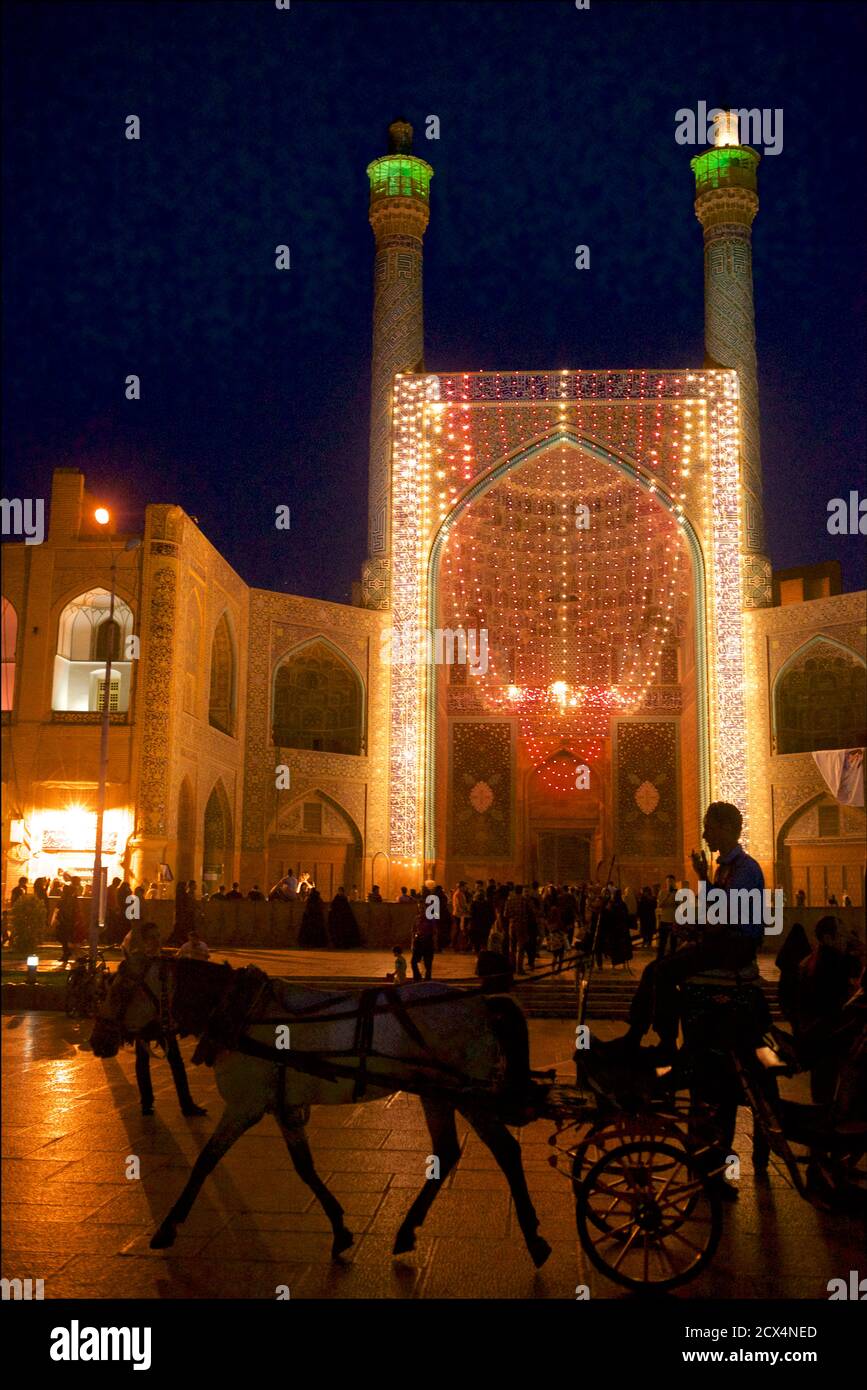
217	840
186	834
820	850
314	833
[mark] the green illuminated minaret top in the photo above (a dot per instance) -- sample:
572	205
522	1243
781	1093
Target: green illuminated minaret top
726	203
399	211
399	173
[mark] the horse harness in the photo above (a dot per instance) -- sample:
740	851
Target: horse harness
234	1014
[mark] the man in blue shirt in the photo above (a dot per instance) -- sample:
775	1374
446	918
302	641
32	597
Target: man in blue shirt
728	939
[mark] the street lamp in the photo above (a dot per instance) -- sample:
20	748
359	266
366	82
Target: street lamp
102	516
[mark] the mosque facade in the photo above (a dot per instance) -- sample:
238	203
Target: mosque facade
566	640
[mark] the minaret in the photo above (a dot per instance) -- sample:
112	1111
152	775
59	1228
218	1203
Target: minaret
399	211
726	201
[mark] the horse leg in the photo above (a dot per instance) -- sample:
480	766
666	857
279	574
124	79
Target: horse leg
440	1116
299	1150
231	1125
507	1151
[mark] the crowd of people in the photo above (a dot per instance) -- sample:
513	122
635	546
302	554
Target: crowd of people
517	920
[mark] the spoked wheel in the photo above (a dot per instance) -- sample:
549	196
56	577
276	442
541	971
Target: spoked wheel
621	1129
647	1216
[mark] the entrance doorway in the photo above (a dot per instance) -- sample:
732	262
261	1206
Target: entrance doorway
562	856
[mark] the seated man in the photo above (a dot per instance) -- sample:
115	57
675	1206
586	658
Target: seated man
728	946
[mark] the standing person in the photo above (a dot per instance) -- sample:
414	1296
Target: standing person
398	975
145	950
647	916
825	982
305	885
113	917
183	917
374	896
404	896
557	943
40	891
666	908
568	912
68	919
443	933
518	920
460	917
342	926
630	902
255	895
234	894
19	891
220	895
422	944
793	951
620	936
481	919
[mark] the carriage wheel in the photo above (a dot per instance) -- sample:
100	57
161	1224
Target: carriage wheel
610	1133
647	1216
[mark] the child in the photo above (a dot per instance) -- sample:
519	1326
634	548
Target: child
398	975
557	944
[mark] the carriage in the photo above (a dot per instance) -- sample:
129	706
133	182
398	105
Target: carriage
646	1149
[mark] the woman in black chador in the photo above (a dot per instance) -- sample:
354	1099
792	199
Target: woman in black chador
312	931
342	926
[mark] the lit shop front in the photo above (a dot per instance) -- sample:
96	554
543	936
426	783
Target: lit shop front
60	844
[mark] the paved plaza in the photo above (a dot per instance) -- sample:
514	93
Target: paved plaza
73	1218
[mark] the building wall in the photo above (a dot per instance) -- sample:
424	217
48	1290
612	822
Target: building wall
354	785
783	785
179	587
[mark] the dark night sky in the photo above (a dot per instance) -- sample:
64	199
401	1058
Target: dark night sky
557	128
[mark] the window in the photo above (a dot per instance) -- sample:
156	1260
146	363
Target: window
312	818
820	700
10	641
113	697
221	705
86	637
317	702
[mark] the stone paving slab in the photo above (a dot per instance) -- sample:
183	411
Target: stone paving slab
73	1218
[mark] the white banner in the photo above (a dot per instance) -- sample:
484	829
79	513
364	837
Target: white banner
842	770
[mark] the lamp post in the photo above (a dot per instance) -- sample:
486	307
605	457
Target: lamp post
103	517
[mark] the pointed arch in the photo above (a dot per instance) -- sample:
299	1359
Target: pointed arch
10	644
193	651
818	698
86	636
217	836
648	482
186	832
317	700
221	702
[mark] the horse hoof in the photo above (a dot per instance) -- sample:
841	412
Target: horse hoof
404	1242
539	1251
341	1242
163	1238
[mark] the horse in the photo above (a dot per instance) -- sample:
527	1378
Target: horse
461	1051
